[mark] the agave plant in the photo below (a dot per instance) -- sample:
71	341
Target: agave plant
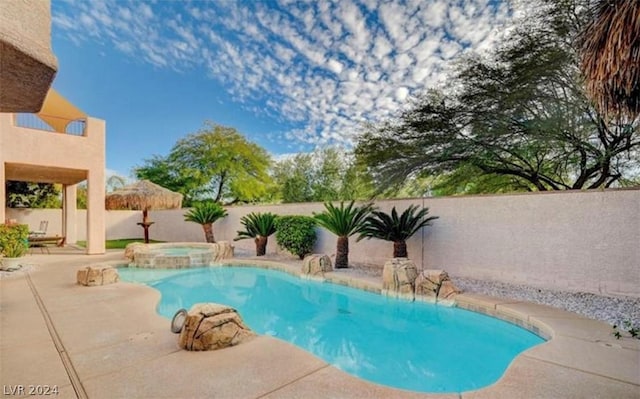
206	214
343	222
396	229
258	226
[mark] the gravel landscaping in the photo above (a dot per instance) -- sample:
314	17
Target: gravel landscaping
613	310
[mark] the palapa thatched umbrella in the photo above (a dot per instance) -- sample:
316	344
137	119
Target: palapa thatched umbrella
610	57
143	196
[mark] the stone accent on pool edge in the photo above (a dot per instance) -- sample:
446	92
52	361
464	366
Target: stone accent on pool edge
211	326
398	277
100	274
316	265
151	255
435	284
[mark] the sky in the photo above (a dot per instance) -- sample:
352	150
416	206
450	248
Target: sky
289	75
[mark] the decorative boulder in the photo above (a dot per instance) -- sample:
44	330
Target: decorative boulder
131	248
398	277
97	275
222	250
435	284
316	265
210	326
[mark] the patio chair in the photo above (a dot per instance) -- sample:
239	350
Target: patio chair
44	242
42	231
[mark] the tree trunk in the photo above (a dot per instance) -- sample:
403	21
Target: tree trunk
400	249
261	245
342	253
208	232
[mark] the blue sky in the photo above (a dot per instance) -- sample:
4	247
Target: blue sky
290	75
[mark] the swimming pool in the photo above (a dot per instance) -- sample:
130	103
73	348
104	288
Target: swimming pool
409	345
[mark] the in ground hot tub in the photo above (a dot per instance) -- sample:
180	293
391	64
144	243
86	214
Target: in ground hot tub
177	255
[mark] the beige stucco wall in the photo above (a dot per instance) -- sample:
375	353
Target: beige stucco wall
41	147
587	241
572	240
26	24
38	155
27	64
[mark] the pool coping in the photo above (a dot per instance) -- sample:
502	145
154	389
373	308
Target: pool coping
582	358
545	321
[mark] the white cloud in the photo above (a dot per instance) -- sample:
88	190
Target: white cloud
146	11
335	66
401	94
325	66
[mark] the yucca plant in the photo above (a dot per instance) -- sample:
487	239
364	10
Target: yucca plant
258	226
343	222
206	214
390	227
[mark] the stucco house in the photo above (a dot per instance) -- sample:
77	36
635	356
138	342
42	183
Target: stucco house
43	137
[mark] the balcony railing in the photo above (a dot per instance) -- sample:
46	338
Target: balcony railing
32	121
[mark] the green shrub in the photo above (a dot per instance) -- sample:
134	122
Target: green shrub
14	240
296	234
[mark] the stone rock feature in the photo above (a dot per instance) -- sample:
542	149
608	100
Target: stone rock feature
398	277
211	326
316	265
177	255
436	285
131	248
97	275
223	250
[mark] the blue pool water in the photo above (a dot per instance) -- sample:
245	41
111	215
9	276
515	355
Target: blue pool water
414	346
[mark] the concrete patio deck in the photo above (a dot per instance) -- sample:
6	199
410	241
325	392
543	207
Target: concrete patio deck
109	342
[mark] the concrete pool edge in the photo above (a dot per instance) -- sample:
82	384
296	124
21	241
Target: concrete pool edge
545	321
142	358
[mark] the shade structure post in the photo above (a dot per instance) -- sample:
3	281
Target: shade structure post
144	195
145	225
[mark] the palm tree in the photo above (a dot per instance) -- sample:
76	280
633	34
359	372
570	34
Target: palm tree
258	226
343	222
610	56
396	229
206	214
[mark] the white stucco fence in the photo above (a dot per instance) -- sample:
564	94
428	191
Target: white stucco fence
578	240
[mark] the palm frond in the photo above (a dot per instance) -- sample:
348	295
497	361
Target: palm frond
610	56
205	213
343	221
390	227
257	225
